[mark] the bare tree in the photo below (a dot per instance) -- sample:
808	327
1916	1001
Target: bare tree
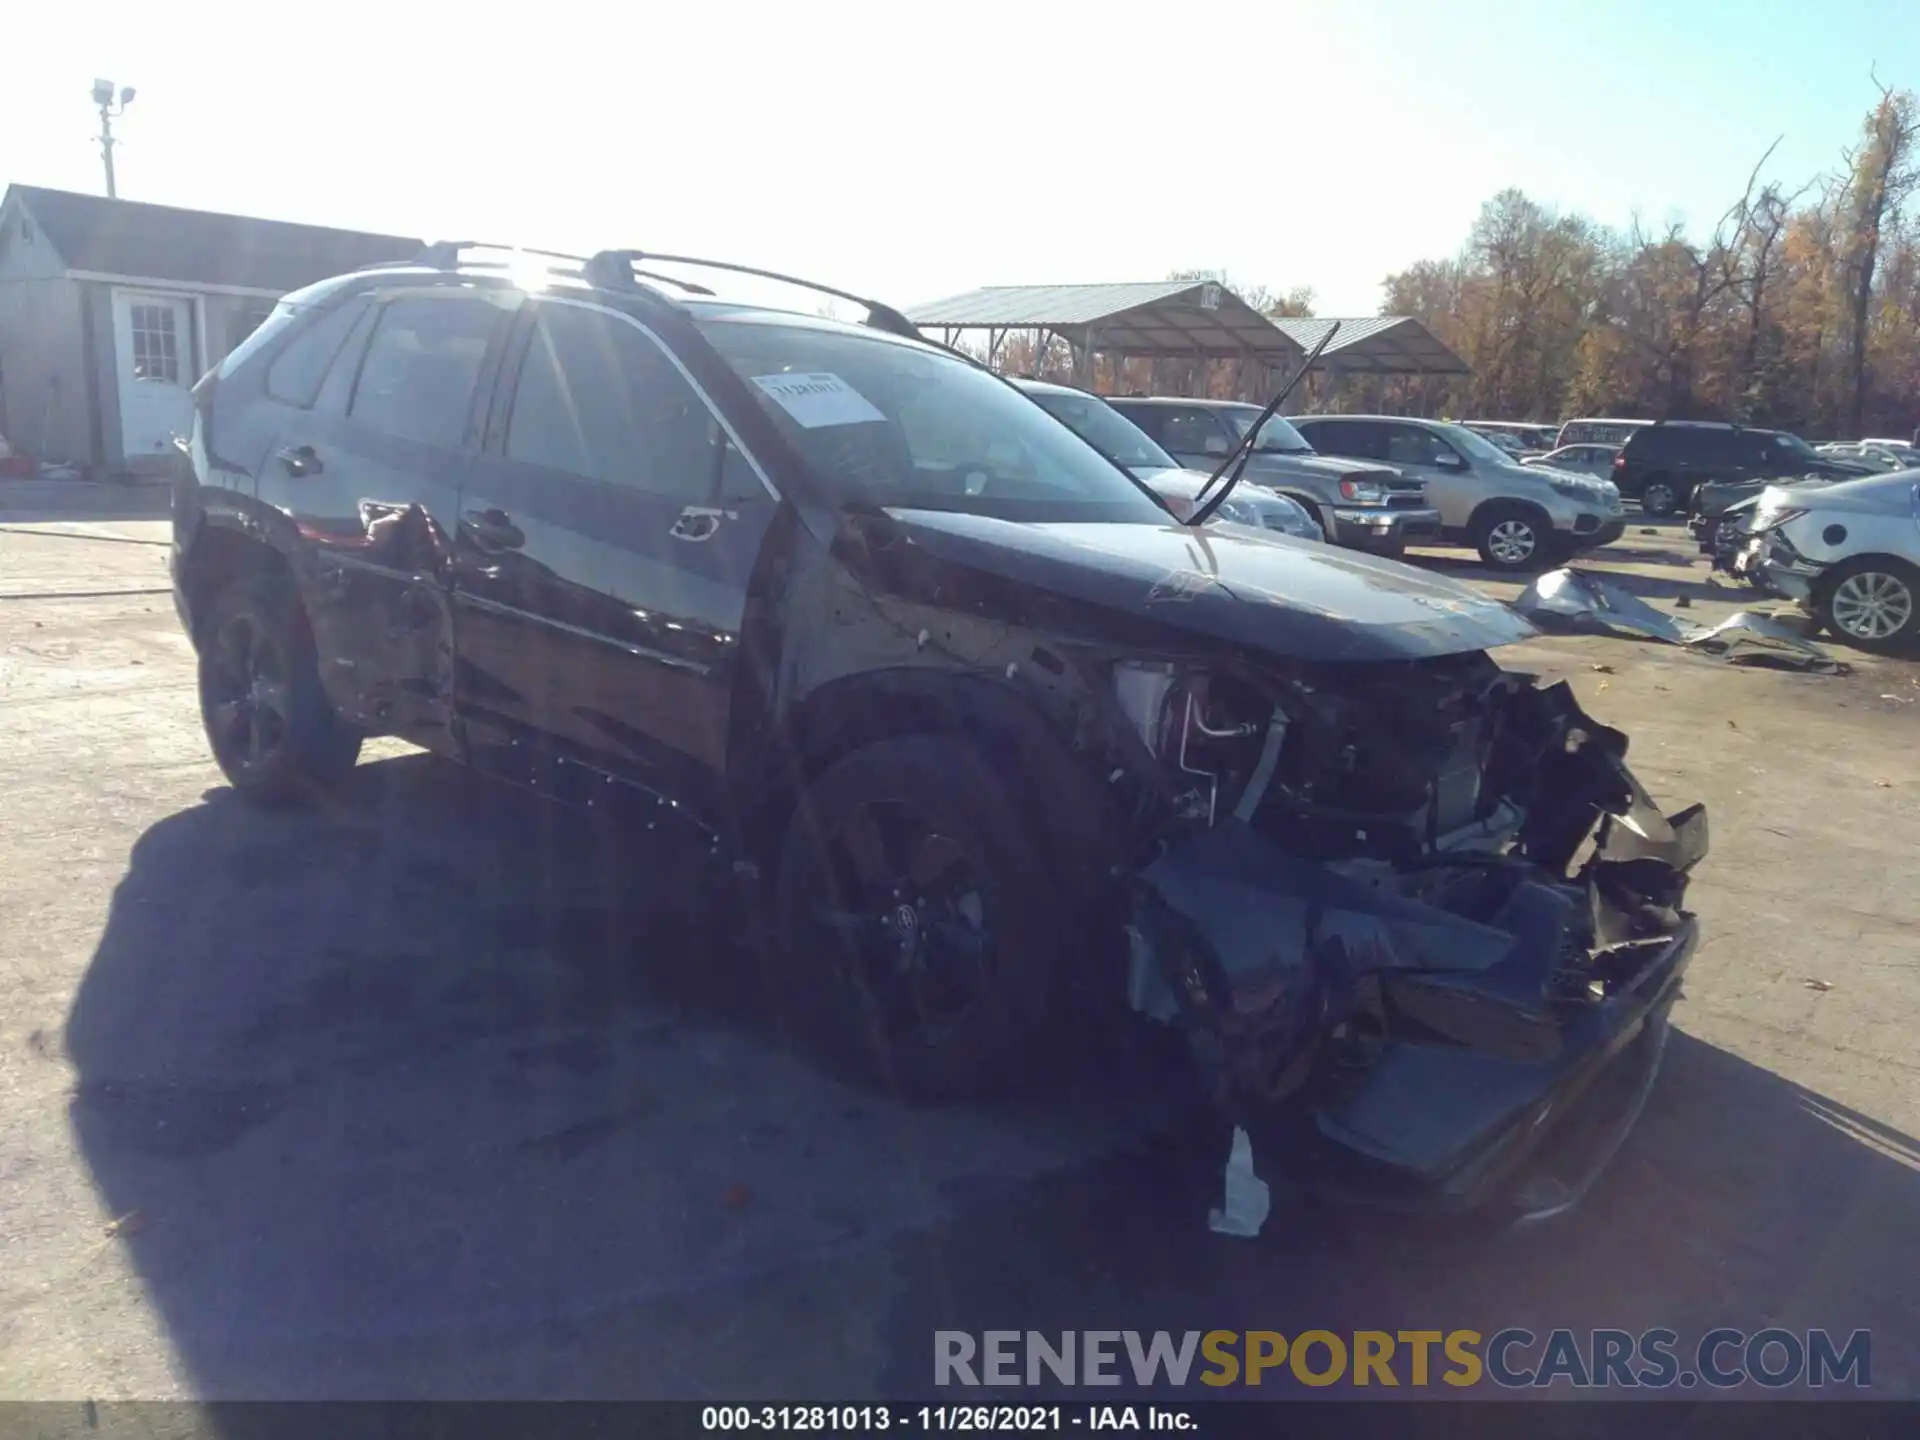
1884	173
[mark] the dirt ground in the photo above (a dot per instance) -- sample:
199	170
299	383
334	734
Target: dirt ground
439	1093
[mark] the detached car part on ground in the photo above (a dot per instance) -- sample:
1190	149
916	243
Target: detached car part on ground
1006	746
1847	553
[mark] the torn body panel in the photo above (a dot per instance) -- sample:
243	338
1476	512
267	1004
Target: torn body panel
1409	1033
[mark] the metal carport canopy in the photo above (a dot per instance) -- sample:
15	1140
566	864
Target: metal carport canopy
1376	345
1151	319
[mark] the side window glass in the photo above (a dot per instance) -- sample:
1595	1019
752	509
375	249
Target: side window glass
1409	446
421	367
1187	431
597	398
297	371
337	389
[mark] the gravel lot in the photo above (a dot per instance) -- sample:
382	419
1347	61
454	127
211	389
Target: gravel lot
441	1093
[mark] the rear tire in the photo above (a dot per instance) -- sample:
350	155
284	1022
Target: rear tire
270	726
1660	497
918	926
1511	538
1873	602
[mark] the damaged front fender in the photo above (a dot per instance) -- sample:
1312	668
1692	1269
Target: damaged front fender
1411	1035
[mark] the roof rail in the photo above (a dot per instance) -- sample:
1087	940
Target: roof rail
451	255
616	268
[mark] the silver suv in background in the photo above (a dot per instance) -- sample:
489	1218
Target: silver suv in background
1519	517
1129	447
1364	507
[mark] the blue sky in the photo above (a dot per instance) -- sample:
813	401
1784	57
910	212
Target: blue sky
912	154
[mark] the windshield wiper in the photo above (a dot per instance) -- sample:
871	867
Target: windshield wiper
1237	458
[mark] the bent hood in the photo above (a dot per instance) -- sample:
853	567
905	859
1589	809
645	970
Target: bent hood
1287	597
1891	492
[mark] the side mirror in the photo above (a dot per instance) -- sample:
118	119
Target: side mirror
1449	462
1215	445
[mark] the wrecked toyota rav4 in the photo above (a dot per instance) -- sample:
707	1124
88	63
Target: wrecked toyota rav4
986	727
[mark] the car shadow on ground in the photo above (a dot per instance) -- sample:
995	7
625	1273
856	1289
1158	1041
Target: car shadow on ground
444	1071
35	501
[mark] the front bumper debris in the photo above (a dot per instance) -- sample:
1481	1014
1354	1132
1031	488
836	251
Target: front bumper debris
1478	1031
1579	602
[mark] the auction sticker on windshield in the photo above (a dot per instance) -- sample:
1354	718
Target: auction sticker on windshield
816	401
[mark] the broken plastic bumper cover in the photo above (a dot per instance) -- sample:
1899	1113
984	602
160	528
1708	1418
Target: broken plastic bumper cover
1578	602
1380	1050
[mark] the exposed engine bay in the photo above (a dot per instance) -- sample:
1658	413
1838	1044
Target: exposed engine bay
1407	910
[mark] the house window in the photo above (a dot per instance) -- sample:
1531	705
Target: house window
156	343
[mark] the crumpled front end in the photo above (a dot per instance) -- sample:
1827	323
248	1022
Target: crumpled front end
1423	955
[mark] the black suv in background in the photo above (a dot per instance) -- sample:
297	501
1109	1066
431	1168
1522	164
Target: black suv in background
991	740
1661	465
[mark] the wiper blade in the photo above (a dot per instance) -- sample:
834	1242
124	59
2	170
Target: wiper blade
1238	457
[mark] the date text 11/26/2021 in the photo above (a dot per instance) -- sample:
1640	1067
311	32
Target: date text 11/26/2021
942	1419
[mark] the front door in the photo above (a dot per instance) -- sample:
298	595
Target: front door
1452	487
153	340
602	558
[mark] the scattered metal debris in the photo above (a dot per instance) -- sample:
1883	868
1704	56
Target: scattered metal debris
1581	602
1820	985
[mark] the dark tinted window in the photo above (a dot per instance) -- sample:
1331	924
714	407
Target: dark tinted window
598	398
418	377
296	372
1147	417
1361	439
1680	442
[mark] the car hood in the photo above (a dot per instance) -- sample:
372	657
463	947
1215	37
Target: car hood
1330	467
1272	593
1891	492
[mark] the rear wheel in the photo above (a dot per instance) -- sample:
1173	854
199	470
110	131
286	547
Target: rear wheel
1661	497
918	937
1511	538
269	724
1872	602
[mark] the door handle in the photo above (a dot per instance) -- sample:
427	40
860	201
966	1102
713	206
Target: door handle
492	530
301	460
696	523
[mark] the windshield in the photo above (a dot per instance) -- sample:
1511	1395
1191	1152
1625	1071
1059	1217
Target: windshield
1106	429
889	423
1474	446
1277	436
1796	445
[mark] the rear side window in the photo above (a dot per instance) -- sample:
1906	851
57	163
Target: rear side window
598	398
1354	439
296	372
1410	445
421	367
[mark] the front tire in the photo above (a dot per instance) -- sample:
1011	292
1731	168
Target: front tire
1872	602
270	726
1510	539
919	929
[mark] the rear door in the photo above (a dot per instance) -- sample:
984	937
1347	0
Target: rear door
380	420
603	554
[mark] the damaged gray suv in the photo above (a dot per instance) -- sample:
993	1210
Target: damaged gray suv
986	730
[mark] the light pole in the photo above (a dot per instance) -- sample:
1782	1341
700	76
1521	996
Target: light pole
103	97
